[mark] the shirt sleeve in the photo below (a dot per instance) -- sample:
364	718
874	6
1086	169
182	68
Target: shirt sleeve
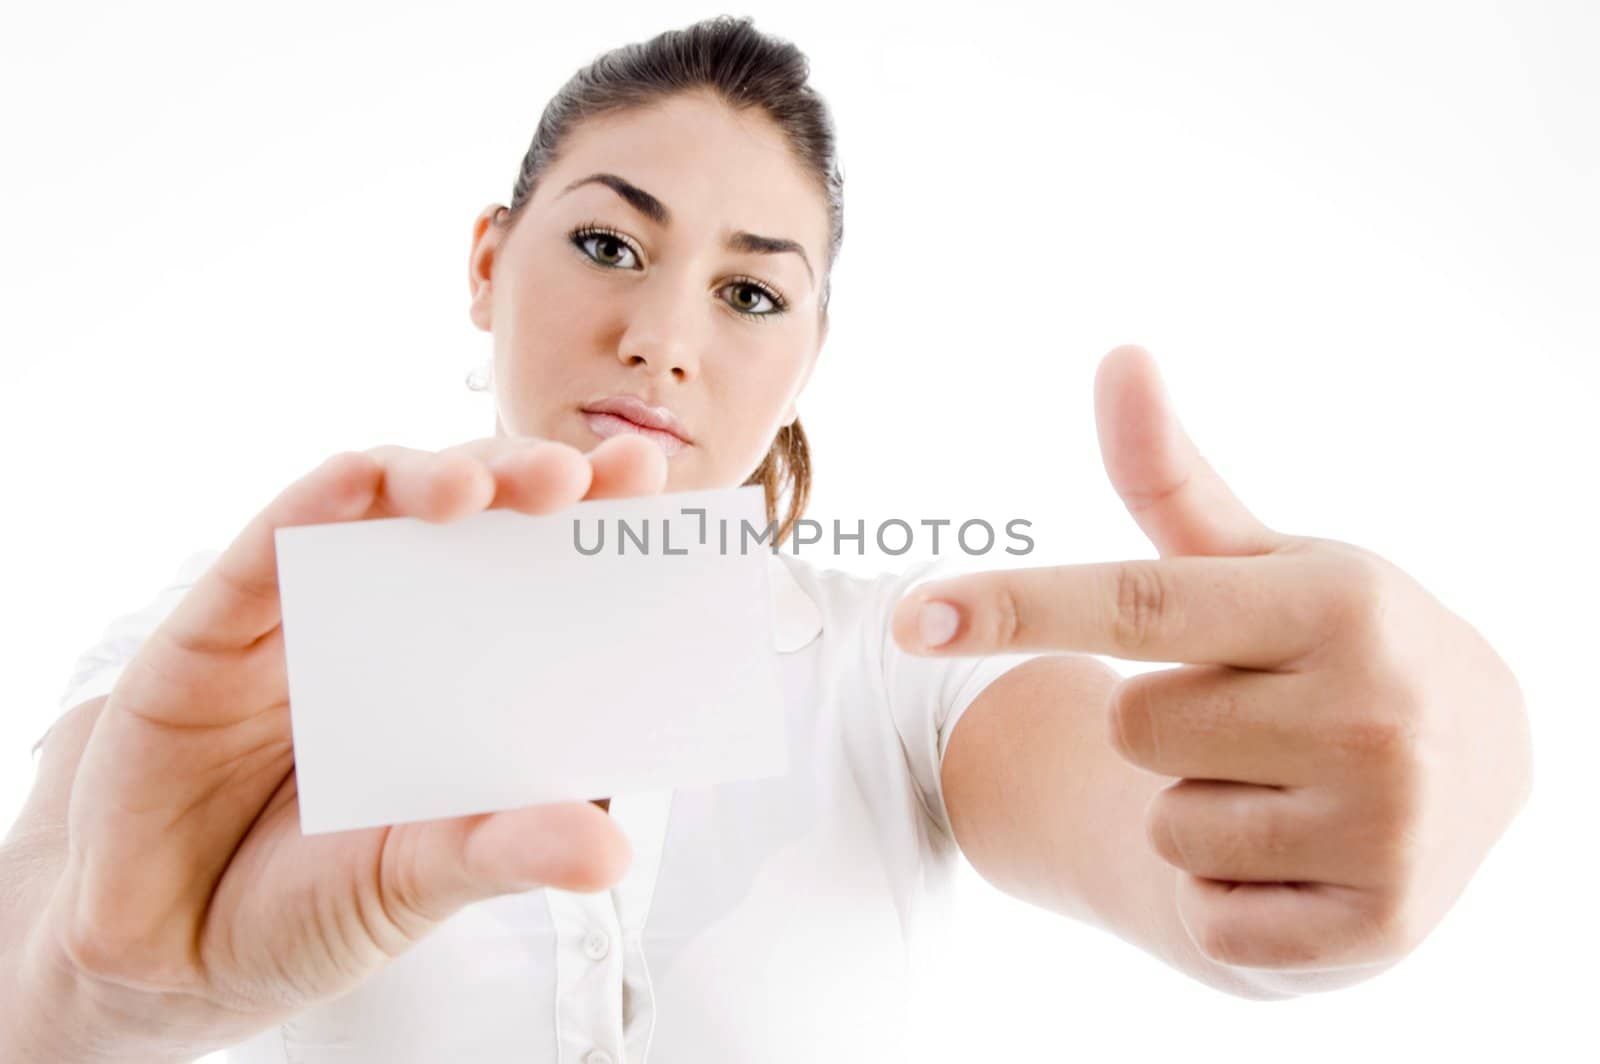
928	695
97	668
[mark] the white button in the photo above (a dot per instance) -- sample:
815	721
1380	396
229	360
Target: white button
596	945
597	1056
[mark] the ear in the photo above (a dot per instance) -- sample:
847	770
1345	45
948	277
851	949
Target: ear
486	239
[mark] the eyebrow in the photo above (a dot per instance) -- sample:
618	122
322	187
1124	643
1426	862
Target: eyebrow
657	212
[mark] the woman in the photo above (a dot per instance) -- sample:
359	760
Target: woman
657	295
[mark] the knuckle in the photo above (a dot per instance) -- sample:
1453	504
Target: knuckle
353	464
1241	946
1359	601
1386	738
1215	941
1142	601
1130	720
536	445
401	907
1295	948
1394	855
389	456
1245	835
539	472
1007	614
453	460
1161	831
1394	838
383	453
1272	836
488	449
1375	926
1391	928
94	952
103	951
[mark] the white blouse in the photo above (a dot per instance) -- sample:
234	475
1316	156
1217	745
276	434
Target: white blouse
775	920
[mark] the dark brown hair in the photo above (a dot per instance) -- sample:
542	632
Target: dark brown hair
747	69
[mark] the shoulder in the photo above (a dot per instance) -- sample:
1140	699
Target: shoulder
135	622
847	606
840	592
194	566
197	562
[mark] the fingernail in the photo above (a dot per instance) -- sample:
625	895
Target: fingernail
937	622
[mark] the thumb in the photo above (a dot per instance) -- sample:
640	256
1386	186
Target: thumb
433	868
1180	502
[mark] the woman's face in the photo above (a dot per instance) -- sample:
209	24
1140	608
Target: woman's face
596	293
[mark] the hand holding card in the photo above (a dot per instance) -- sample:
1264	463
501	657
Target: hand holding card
190	894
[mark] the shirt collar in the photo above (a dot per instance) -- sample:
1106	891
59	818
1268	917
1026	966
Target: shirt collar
796	618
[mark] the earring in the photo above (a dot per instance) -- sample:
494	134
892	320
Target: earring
481	378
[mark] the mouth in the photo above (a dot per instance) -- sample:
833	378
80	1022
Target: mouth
606	424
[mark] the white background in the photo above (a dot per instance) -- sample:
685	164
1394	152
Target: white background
1360	239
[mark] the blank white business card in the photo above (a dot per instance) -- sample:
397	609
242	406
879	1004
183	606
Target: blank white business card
492	662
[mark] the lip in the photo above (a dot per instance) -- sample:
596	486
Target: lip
628	413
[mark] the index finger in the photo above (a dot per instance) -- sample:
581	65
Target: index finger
235	602
1261	611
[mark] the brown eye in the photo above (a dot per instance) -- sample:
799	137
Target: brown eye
610	249
747	297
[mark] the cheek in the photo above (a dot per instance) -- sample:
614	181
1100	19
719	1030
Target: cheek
769	400
534	341
751	400
537	326
537	339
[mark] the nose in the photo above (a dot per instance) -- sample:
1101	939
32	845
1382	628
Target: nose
664	334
